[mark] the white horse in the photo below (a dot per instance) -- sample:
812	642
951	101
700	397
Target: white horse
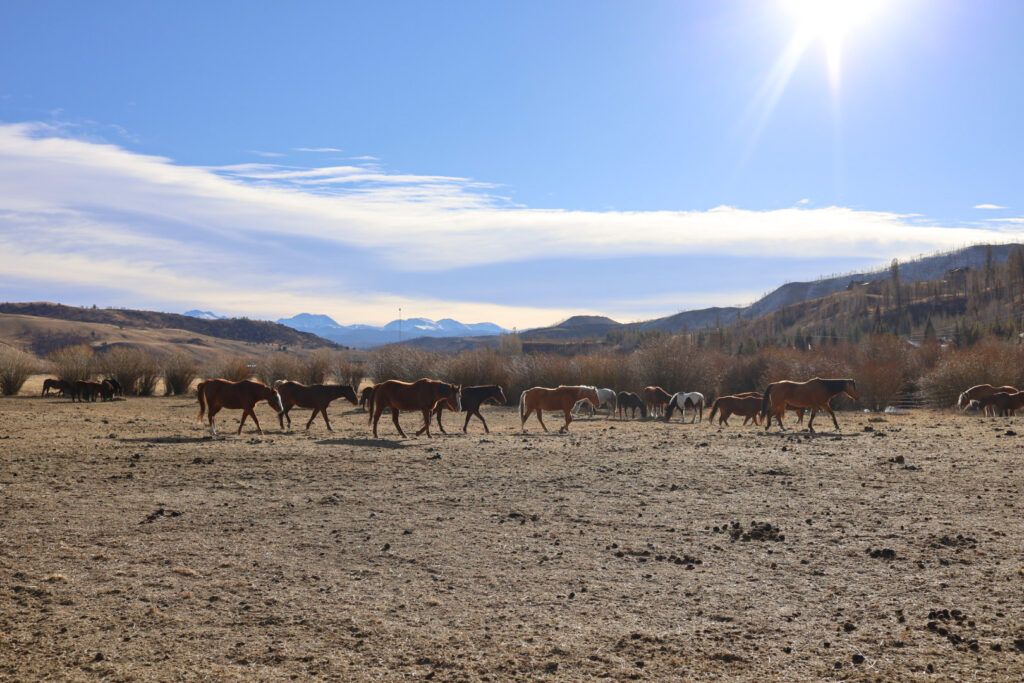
694	400
607	397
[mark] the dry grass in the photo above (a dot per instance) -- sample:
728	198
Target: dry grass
624	550
15	368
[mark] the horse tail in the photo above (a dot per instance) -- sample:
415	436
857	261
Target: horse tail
370	405
522	405
714	409
202	401
766	401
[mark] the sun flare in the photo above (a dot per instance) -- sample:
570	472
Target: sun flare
829	22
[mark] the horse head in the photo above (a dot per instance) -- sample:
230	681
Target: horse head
499	396
851	389
274	399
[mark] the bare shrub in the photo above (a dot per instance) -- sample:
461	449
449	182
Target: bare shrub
404	363
314	368
478	366
179	370
73	363
279	366
881	370
232	368
136	370
344	370
988	362
602	370
676	364
537	370
15	368
739	374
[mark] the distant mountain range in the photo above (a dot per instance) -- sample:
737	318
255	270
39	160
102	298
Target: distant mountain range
205	315
365	336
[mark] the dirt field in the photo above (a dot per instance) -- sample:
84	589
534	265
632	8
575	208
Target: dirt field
134	547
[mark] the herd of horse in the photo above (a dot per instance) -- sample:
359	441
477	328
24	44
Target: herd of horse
1002	401
431	397
83	390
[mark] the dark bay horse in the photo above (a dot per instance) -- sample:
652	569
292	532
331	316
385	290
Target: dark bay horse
315	396
560	398
627	399
980	391
85	390
814	394
65	388
423	395
748	406
655	399
472	398
215	394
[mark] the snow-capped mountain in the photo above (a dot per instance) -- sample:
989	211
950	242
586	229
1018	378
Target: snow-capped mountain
365	336
205	315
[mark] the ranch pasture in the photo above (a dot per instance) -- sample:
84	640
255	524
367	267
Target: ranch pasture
135	547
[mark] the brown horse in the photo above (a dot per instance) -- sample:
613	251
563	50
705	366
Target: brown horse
88	391
366	399
65	388
560	398
627	399
814	394
655	399
757	418
978	392
423	395
472	398
315	396
215	394
1001	403
747	405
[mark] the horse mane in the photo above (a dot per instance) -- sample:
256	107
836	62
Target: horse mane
835	385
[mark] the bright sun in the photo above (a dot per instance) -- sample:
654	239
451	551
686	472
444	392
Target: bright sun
829	21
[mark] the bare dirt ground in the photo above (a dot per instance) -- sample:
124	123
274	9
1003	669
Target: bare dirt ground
134	547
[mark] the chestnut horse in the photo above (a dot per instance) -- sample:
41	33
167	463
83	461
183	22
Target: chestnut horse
214	394
814	394
423	395
747	405
627	399
472	398
560	398
693	400
1001	403
65	388
315	396
655	399
757	418
978	392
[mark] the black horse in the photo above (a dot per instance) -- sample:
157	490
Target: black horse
627	399
472	399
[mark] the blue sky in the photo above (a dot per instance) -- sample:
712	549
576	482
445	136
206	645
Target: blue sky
513	162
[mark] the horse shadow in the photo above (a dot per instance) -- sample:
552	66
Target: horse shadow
165	439
364	443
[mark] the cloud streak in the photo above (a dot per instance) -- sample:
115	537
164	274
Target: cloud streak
107	215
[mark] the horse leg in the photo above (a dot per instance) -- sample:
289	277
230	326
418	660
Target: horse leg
426	423
281	416
375	415
323	411
568	419
245	414
469	414
810	422
834	421
313	417
540	419
210	413
477	412
394	418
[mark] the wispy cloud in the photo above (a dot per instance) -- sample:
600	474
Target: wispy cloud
990	207
315	149
261	153
264	238
804	202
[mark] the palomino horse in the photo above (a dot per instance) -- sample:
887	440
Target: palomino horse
423	395
978	392
655	399
748	405
814	394
693	400
472	398
315	396
65	388
1001	403
214	394
560	398
629	400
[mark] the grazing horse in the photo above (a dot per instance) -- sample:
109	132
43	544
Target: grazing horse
472	398
978	392
560	398
748	405
423	395
115	386
1002	403
315	396
214	394
607	397
65	388
814	394
627	399
88	391
693	400
655	399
